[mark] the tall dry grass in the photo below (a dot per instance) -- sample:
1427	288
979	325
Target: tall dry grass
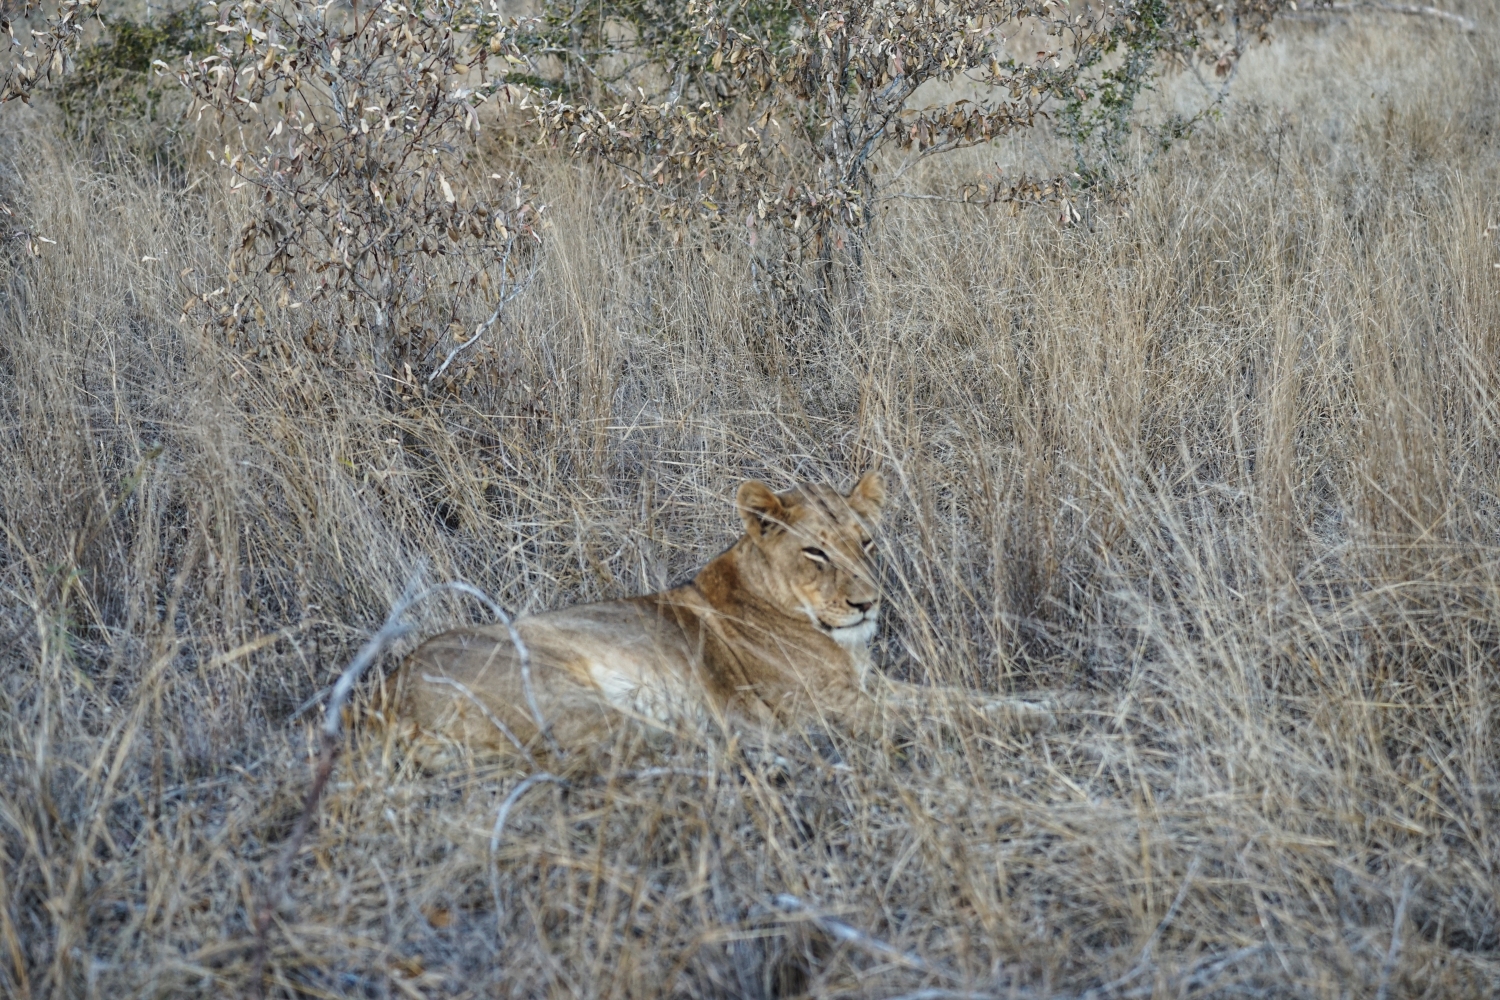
1224	459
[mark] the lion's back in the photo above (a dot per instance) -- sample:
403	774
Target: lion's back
579	663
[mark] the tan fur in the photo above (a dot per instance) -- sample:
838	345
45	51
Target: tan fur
772	632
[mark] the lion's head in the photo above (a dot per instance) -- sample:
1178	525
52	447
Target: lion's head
811	551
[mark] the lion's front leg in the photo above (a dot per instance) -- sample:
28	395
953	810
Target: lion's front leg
1029	713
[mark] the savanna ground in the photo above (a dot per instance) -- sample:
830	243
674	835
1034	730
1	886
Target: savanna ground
1224	458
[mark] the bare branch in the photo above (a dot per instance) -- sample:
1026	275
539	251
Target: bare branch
331	733
501	815
479	330
331	730
1410	9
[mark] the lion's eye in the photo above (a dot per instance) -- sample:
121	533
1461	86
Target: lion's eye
868	544
816	555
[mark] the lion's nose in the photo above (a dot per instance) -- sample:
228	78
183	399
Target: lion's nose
862	607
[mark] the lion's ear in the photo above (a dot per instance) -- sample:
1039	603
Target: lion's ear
760	508
868	496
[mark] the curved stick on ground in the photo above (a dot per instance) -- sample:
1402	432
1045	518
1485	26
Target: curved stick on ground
500	817
331	732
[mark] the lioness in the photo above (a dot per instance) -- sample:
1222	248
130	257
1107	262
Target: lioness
772	632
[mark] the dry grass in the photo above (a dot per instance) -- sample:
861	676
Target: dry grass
1226	461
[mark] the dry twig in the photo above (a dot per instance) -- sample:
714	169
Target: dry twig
1410	9
331	735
